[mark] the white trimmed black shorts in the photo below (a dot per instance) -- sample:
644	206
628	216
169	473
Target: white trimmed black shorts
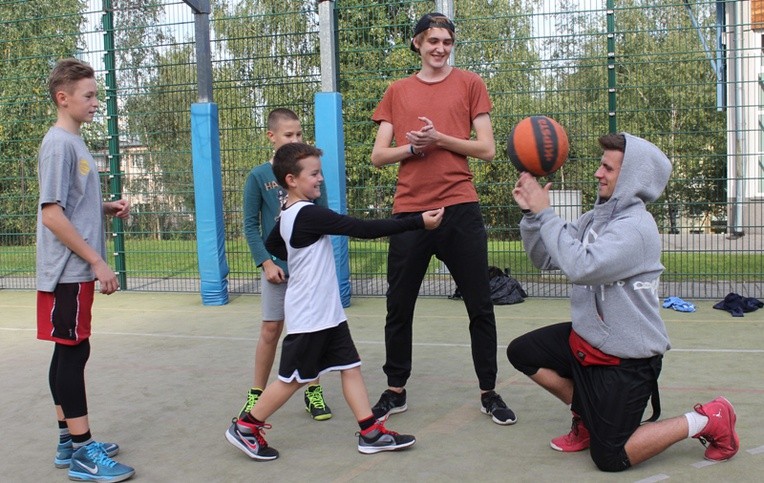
306	356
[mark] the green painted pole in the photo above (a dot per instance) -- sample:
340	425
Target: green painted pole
611	98
115	172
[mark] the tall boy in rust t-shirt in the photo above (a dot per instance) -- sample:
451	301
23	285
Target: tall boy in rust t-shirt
430	117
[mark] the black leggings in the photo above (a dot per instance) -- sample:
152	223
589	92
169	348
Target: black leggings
67	378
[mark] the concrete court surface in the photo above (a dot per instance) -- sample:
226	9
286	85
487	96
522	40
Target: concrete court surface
166	375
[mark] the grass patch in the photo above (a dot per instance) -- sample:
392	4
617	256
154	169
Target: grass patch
368	258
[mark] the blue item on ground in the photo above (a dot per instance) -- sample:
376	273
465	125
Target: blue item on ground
678	304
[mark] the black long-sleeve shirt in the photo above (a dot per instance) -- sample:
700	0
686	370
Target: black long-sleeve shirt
314	221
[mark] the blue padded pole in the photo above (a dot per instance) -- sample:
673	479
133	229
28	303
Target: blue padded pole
331	140
208	195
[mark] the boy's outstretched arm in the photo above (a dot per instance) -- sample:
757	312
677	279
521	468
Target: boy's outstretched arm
53	219
314	221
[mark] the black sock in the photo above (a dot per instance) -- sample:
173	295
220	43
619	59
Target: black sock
81	439
367	423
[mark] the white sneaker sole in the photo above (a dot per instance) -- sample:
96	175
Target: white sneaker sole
235	441
496	420
379	449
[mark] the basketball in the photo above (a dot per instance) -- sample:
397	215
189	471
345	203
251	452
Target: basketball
539	145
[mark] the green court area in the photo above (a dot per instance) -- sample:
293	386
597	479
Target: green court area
166	375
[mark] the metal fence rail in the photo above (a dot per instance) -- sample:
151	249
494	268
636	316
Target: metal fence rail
652	70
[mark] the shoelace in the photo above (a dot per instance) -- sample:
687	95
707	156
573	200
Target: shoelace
388	401
495	402
97	453
316	398
382	429
574	426
704	440
251	401
258	431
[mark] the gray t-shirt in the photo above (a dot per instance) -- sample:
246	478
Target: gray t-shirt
68	176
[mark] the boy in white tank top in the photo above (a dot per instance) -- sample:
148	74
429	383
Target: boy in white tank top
318	339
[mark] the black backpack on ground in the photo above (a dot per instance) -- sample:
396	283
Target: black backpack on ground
505	289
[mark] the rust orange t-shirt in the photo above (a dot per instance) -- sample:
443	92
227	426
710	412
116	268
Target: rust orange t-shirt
441	177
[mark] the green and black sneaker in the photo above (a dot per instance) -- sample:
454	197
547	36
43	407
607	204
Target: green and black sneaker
315	404
252	396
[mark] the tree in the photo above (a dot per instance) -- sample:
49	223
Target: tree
665	92
159	186
160	123
26	110
270	58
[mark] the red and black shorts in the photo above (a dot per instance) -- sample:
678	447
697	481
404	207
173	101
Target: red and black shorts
64	315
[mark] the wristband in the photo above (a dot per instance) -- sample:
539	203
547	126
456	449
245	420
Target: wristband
526	212
414	153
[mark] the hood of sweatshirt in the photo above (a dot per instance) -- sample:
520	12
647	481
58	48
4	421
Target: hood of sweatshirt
645	172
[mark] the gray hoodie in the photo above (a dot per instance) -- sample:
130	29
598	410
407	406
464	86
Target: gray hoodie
611	254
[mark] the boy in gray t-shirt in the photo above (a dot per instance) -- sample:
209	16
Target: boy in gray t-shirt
70	258
68	178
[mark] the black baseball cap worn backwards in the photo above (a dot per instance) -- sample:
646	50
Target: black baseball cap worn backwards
431	20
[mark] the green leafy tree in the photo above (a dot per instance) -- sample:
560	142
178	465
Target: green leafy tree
665	91
151	126
269	59
512	72
32	40
160	122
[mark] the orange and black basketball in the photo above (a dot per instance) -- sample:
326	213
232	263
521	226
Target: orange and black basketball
539	145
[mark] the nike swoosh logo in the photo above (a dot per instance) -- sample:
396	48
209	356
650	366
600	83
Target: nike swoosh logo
92	470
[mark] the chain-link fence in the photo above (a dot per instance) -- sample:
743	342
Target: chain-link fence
660	70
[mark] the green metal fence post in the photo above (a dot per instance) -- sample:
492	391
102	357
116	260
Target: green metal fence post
611	105
115	165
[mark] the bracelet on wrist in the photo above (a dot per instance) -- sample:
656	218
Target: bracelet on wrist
414	153
526	211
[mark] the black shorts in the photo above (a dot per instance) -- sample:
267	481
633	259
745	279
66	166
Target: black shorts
305	356
611	400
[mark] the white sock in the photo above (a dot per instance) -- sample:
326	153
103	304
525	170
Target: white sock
696	422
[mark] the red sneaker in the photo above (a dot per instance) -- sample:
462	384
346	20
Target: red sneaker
576	440
719	436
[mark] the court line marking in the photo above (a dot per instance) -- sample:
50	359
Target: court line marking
654	478
758	450
365	342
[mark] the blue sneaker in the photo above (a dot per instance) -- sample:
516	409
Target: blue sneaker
64	453
91	463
